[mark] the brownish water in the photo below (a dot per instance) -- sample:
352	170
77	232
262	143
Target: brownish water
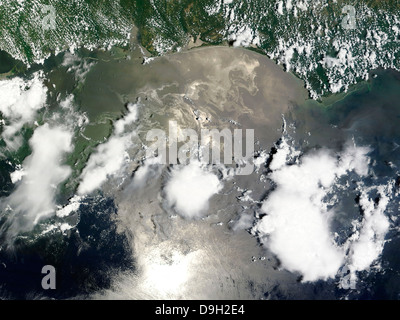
216	87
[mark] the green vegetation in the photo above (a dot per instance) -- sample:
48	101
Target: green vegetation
297	33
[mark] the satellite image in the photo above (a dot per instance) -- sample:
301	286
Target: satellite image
199	150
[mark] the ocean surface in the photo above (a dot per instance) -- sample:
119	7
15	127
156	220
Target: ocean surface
125	240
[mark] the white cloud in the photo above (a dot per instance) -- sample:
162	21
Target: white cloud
33	197
17	174
285	153
280	7
110	156
150	168
245	222
367	242
297	223
63	227
260	160
72	206
19	102
127	120
189	189
106	161
244	37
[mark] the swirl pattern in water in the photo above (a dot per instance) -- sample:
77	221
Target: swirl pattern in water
206	174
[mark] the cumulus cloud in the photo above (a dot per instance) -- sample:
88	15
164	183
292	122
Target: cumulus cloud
107	160
128	119
190	188
72	206
17	174
245	37
366	245
296	226
110	156
34	195
19	102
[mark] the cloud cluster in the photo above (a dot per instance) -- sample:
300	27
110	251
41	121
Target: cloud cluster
190	188
366	244
19	102
34	195
110	156
297	223
151	168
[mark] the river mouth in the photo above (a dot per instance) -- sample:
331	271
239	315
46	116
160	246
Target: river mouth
225	88
201	230
207	88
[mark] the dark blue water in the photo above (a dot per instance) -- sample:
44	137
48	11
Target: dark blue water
85	259
370	116
89	255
